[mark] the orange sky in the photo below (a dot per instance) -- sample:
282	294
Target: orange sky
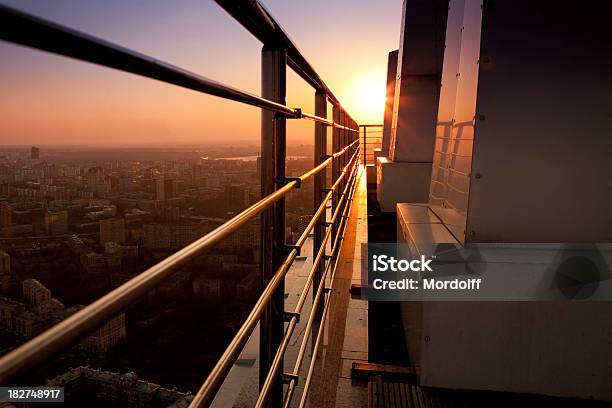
47	99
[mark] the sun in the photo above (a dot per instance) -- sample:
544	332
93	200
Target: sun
366	97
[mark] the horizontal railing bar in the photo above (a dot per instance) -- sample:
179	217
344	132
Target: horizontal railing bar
371	125
209	389
258	21
299	360
315	170
317	262
344	150
213	382
278	358
327	122
25	29
300	241
316	346
69	331
35	32
28	30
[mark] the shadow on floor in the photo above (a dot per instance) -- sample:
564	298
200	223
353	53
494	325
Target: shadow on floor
385	330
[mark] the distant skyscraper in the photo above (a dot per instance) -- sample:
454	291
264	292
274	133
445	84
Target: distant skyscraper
237	195
95	175
164	189
35	153
198	174
112	230
6	218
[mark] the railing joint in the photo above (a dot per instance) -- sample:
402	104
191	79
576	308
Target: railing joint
285	248
327	224
288	377
287	316
327	257
286	180
298	113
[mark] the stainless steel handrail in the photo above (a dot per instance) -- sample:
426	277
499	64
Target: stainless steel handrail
214	380
365	142
259	21
272	374
28	30
317	344
69	331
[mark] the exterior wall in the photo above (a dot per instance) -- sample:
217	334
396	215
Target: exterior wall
417	87
526	156
389	99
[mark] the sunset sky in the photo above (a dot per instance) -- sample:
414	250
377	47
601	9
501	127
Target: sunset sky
48	99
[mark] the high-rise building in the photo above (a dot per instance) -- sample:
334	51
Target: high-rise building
56	222
106	337
237	195
112	230
164	189
35	293
6	219
35	153
95	175
198	174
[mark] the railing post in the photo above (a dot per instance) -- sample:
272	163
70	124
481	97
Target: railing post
365	146
320	150
335	168
273	150
344	143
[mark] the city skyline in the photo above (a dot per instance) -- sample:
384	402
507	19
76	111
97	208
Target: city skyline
52	100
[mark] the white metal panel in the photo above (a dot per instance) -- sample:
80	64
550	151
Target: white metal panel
454	136
543	143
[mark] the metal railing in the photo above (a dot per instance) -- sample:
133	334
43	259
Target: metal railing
276	257
371	140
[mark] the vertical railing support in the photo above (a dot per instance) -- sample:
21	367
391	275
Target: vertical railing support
365	146
343	133
273	151
320	150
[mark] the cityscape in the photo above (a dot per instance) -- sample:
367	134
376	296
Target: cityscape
76	223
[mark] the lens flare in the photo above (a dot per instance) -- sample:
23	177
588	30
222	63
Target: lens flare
366	96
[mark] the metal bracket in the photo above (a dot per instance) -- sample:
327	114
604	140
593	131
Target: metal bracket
288	180
287	316
327	290
298	113
288	248
288	377
327	224
327	257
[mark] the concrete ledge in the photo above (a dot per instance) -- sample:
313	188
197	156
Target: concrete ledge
401	182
